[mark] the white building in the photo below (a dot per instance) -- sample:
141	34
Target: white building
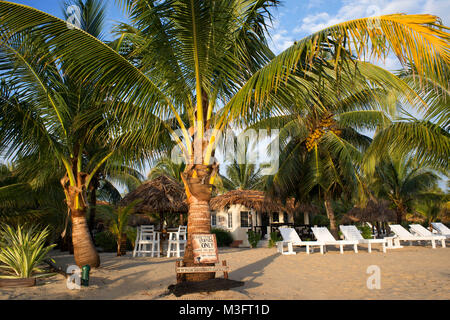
241	210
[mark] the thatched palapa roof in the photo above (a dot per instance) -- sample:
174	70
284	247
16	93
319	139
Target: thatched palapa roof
374	211
252	199
162	195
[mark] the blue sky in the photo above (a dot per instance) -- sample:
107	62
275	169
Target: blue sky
295	19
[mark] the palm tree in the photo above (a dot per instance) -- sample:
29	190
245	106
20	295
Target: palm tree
209	62
29	197
431	207
165	166
402	181
427	136
47	112
118	223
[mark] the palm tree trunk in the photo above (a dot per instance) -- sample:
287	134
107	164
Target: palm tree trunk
92	203
122	245
331	217
399	213
83	246
199	217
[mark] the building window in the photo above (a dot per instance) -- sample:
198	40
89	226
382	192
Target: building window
213	219
245	219
230	220
275	217
285	217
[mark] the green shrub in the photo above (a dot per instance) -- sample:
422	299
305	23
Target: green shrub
224	238
22	250
108	242
253	238
366	232
274	238
320	220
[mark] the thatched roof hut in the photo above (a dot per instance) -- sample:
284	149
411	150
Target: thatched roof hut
252	199
374	211
162	195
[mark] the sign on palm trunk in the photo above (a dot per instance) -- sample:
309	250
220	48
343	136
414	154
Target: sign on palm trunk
205	248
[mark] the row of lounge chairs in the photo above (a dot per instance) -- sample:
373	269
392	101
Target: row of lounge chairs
353	237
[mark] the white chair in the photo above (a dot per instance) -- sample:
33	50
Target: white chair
352	233
291	238
401	234
176	240
322	234
441	229
147	242
420	231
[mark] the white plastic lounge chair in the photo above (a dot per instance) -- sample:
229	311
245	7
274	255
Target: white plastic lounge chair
441	229
402	234
322	234
419	230
352	233
291	238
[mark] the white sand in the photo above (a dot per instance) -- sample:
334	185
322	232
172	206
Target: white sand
410	273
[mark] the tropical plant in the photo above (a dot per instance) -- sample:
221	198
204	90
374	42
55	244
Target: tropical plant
31	198
165	166
207	63
431	205
322	148
427	136
49	113
22	250
117	220
223	237
402	181
274	238
253	238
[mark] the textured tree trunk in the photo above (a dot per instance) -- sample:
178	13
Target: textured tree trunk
83	246
399	213
198	192
92	204
331	217
122	245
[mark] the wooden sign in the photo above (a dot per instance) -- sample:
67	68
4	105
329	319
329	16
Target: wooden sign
181	269
204	248
203	269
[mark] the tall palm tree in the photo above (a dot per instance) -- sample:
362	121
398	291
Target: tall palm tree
322	151
427	136
209	61
50	113
402	181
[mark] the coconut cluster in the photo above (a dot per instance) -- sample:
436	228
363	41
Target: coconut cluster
325	124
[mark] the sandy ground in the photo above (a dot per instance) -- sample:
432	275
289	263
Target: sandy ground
413	272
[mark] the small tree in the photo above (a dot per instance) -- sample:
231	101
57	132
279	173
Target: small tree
118	223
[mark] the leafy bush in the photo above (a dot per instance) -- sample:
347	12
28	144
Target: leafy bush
274	238
22	250
320	220
366	232
253	238
224	238
108	242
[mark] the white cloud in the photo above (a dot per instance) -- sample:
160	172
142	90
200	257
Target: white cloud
354	9
281	40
